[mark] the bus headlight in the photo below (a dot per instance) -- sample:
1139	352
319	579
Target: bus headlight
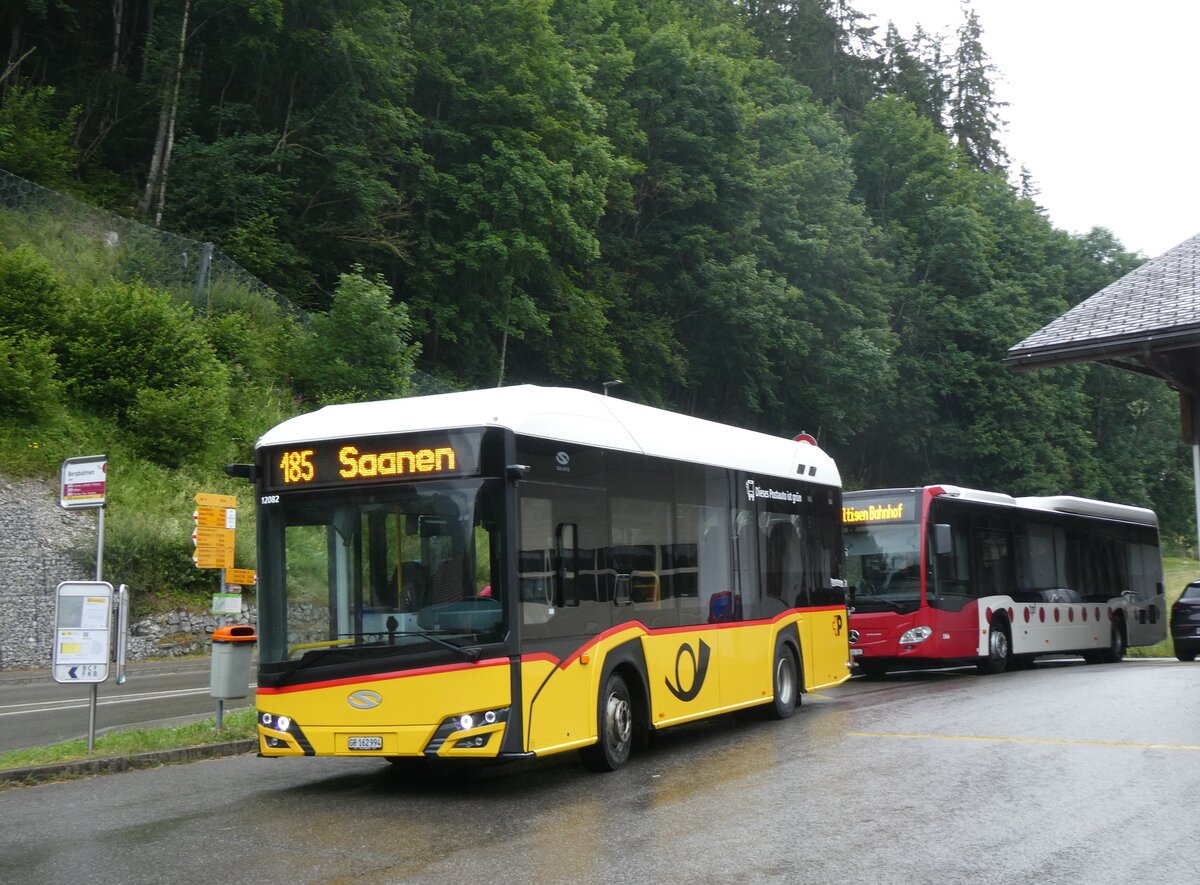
450	726
916	635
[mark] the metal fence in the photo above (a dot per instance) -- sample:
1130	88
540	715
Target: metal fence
194	271
157	257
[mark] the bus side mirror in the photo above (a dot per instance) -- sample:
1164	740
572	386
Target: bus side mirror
943	545
242	471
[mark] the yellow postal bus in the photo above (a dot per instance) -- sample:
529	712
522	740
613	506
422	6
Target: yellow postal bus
521	571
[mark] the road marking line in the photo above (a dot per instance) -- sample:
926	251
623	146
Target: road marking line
1020	740
54	706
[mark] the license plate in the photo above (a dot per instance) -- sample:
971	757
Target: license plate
855	652
365	743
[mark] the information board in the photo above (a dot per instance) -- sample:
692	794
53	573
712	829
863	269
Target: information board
84	481
82	631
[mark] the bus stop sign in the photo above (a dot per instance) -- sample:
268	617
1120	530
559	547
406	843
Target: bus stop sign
82	631
84	481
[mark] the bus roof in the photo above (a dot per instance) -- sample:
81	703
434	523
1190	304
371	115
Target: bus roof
568	415
1091	507
1049	503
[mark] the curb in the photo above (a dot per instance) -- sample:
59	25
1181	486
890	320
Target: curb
87	767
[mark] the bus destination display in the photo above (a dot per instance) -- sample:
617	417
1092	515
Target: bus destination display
371	459
897	508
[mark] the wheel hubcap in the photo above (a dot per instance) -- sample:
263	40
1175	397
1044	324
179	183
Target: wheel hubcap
620	721
785	682
999	644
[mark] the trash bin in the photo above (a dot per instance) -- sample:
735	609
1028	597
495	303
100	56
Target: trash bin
232	647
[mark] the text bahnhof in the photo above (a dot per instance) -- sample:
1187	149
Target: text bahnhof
873	513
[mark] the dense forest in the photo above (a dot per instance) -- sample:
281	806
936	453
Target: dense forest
783	215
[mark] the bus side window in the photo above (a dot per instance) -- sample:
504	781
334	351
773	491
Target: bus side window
952	588
994	561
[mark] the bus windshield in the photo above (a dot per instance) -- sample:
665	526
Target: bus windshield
385	572
883	567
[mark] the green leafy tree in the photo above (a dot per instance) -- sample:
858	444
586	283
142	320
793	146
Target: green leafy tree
979	274
360	349
233	191
505	195
36	136
824	44
172	426
833	358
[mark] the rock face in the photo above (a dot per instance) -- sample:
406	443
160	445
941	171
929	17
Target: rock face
42	545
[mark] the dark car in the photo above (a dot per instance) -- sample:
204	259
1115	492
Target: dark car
1185	622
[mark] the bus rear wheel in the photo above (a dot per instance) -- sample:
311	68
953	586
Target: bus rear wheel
614	728
785	683
1115	653
999	649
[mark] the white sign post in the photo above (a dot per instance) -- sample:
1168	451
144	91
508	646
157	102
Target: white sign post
83	638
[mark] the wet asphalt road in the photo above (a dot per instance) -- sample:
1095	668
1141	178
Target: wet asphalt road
1066	773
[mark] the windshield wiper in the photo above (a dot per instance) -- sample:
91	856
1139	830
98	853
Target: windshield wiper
871	597
307	661
470	652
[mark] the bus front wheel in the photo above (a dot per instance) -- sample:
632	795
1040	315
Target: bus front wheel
786	684
999	649
614	728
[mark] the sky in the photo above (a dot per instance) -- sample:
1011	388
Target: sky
1103	105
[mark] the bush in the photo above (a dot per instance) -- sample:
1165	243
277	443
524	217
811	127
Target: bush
129	338
31	297
242	346
171	426
29	388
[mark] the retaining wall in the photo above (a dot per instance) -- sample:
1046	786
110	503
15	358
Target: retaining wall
42	545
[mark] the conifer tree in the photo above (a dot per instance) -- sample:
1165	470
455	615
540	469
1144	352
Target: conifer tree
975	110
916	69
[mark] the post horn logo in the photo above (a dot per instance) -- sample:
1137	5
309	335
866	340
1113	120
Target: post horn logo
364	700
699	671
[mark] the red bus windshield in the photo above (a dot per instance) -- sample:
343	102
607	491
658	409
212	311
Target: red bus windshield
883	567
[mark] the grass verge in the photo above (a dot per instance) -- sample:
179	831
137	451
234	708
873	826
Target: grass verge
239	725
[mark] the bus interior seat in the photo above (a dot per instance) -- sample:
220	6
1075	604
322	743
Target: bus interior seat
448	580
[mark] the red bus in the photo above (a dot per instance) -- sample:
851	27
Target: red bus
942	575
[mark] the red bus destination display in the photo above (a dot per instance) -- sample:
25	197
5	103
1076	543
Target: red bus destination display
896	508
342	462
